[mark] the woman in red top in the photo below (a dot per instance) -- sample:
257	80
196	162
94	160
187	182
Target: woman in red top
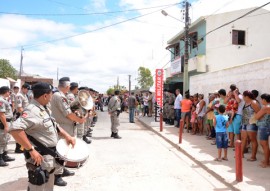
186	110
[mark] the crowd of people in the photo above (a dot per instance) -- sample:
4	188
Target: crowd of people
37	120
223	117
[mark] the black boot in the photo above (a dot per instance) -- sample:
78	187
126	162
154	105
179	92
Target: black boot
18	148
88	141
7	158
58	181
67	173
167	121
2	162
88	134
116	136
171	122
112	135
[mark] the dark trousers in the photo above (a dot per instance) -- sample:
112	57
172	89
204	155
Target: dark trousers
177	116
146	110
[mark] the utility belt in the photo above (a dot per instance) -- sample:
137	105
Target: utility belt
2	125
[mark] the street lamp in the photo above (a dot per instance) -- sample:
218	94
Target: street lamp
186	57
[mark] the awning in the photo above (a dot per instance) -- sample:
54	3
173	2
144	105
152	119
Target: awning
11	80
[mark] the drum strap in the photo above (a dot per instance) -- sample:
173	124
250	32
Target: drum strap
46	150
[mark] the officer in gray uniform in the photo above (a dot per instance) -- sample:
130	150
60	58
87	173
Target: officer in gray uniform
114	109
6	116
171	108
37	124
66	119
166	106
21	102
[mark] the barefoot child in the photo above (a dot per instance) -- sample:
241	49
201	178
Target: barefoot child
193	118
221	122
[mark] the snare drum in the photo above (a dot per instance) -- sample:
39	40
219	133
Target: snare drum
73	157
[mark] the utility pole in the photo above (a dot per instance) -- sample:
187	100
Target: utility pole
117	86
21	64
186	55
129	83
57	73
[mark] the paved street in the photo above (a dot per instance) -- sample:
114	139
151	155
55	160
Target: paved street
139	161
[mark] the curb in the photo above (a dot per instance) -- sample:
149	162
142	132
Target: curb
213	173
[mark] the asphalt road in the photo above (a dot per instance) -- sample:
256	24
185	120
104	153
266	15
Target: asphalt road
140	161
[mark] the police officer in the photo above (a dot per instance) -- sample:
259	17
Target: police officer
114	109
171	108
166	107
6	116
13	99
36	123
73	91
21	102
66	119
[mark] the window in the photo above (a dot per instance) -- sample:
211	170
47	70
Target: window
176	50
194	39
238	37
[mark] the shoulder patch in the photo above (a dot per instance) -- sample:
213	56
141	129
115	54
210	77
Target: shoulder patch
24	115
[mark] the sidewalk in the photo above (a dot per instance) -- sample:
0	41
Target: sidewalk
203	153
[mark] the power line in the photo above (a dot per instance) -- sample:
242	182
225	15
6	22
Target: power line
246	14
86	14
80	34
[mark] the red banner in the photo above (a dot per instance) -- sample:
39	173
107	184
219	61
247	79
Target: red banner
159	87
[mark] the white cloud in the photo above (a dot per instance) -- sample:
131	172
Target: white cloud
96	59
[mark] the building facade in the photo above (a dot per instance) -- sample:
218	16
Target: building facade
219	57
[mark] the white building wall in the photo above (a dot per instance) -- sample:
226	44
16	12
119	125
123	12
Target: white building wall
249	76
221	53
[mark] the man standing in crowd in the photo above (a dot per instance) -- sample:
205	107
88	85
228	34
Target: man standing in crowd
132	107
6	117
166	106
21	101
65	118
150	104
114	109
37	125
177	107
145	104
171	108
73	92
13	99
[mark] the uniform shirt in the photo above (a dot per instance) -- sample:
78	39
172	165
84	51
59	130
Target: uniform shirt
21	100
5	108
114	104
221	121
177	101
60	108
71	97
37	122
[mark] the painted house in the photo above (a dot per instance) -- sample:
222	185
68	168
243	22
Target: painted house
236	53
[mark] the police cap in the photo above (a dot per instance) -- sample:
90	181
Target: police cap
74	84
4	89
41	88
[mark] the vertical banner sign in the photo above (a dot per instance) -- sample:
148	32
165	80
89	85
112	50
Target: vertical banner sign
159	93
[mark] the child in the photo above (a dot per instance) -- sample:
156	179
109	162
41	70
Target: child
232	107
193	117
221	122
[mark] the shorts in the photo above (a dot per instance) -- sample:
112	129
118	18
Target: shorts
249	127
222	140
264	133
184	114
209	122
235	125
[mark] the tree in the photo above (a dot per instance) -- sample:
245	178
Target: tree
145	79
111	90
7	70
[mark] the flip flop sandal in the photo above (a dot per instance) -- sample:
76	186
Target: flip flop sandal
224	159
251	160
217	159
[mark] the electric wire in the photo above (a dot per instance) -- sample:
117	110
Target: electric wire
87	32
87	14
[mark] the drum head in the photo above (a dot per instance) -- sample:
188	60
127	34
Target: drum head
77	154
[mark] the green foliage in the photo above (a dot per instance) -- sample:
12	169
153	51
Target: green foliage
7	70
111	90
145	79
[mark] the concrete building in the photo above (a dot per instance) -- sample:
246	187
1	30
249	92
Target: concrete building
236	53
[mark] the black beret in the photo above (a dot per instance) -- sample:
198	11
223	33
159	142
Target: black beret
83	88
165	90
26	86
74	84
4	88
64	79
42	87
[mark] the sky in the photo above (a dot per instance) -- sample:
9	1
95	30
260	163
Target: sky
75	37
